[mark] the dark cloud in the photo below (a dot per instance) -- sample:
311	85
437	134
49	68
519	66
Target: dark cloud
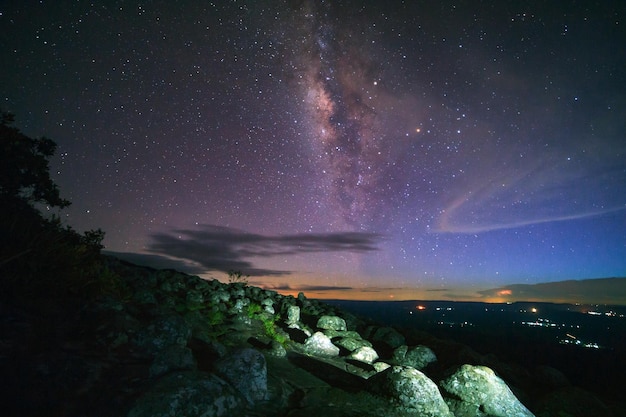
218	248
605	291
157	262
288	287
378	289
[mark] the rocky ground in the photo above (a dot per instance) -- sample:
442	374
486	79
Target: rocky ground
170	344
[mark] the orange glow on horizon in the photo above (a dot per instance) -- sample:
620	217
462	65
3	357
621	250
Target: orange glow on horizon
460	294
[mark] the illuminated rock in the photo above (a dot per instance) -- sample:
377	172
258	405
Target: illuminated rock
412	392
480	389
364	354
418	357
320	345
331	323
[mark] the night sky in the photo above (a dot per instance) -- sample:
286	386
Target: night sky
353	149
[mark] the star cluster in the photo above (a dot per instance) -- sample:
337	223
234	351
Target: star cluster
455	145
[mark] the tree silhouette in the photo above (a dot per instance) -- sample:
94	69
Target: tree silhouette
24	167
38	253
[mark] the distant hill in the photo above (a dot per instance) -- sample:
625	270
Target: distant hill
586	291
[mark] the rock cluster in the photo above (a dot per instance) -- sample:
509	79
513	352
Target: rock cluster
174	344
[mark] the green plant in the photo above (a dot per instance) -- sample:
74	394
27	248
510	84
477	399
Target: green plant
269	324
215	320
253	309
237	277
215	317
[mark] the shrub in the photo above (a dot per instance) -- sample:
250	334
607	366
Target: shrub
235	277
269	324
215	317
254	309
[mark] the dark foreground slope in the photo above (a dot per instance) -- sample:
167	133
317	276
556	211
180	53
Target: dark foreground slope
165	343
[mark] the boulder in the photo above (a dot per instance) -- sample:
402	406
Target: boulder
194	300
170	281
268	305
239	306
364	354
320	345
164	332
381	366
418	357
190	394
293	315
331	323
276	349
270	294
481	388
145	296
237	291
219	296
201	285
387	336
252	292
351	343
412	392
172	358
246	370
168	287
306	305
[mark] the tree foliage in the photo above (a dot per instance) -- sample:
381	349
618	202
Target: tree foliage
24	167
38	254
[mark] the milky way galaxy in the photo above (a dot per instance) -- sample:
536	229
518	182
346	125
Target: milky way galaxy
364	149
341	89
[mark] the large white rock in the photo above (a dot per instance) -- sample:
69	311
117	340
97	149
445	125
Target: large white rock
411	391
364	354
381	366
293	315
480	387
320	345
331	323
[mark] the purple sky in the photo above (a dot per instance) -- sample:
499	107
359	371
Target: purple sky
392	147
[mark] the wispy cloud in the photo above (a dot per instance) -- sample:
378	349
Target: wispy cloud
540	192
217	248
